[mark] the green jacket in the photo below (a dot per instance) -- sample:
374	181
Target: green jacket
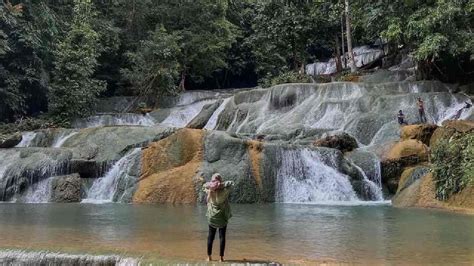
218	207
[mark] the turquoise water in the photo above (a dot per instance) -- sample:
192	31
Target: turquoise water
272	232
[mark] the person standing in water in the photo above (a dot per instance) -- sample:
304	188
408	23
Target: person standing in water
421	110
218	211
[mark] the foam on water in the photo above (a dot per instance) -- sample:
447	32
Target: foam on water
23	257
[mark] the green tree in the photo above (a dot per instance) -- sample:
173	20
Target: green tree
205	36
23	58
154	66
74	91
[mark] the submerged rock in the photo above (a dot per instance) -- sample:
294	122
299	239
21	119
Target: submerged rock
343	142
10	140
66	188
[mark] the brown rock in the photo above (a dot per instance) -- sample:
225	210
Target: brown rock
461	126
392	169
169	168
449	128
343	142
408	148
255	153
420	132
422	194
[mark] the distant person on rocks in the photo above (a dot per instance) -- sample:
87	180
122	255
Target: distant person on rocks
218	211
401	118
459	112
421	110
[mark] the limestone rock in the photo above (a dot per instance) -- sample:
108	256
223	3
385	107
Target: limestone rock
421	132
201	119
240	161
449	128
169	167
10	140
410	175
392	169
343	142
408	148
461	126
66	188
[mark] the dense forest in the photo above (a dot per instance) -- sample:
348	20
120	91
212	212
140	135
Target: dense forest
58	57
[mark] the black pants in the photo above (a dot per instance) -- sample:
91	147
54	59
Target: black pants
212	235
422	115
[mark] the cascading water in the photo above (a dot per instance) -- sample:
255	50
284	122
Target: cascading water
371	189
59	141
182	115
303	177
212	122
27	139
126	119
117	183
37	193
363	56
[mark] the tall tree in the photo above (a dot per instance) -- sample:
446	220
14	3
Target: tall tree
74	91
154	67
349	37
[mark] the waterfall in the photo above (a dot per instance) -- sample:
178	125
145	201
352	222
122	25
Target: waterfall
37	193
363	56
212	122
117	182
303	177
23	257
127	119
372	190
59	141
180	116
27	138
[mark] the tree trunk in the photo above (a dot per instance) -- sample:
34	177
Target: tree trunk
182	86
344	60
349	38
338	54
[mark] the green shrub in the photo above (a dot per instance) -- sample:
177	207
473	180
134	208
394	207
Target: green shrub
453	165
30	124
286	77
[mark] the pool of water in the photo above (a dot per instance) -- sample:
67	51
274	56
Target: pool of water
271	232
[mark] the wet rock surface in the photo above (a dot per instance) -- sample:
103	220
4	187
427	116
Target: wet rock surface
10	140
66	189
343	142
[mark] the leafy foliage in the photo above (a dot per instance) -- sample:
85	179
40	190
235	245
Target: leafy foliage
74	91
154	66
76	51
287	77
453	162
